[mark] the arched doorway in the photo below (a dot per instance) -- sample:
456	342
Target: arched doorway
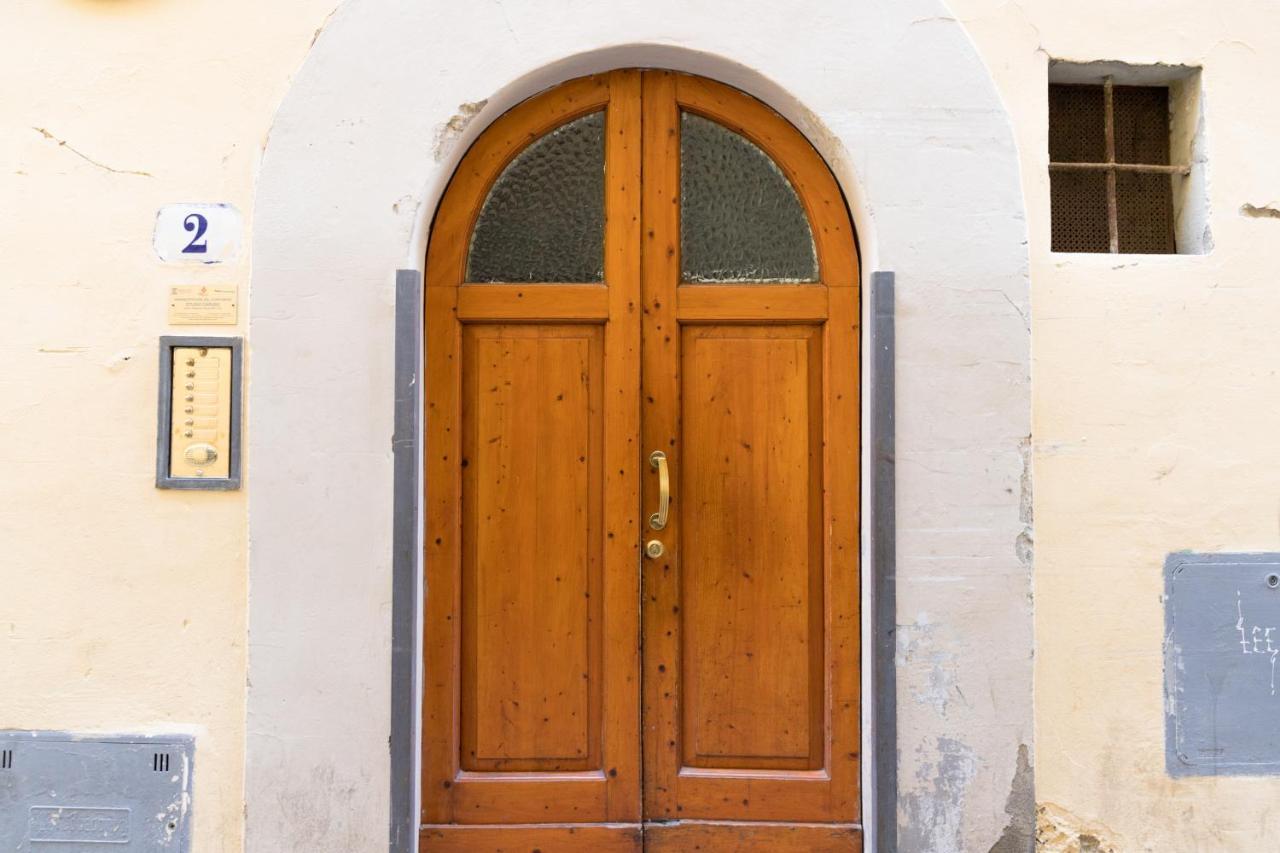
641	461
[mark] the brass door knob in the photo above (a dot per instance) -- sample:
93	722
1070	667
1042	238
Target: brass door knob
653	549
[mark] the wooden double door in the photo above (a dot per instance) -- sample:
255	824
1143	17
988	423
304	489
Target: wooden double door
641	619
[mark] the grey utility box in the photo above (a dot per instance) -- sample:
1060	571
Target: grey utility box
63	793
1222	664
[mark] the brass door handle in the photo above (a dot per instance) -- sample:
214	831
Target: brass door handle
658	461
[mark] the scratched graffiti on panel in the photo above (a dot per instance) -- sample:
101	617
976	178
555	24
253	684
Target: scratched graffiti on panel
1221	651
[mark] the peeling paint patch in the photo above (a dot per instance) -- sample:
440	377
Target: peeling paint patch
931	815
918	654
316	36
118	361
405	202
1020	833
1060	831
1265	211
448	134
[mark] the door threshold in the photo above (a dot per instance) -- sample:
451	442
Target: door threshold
527	837
737	836
711	836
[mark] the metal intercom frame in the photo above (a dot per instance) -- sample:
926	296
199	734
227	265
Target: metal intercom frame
165	414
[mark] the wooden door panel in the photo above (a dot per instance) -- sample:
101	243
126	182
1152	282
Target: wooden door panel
751	573
547	797
751	613
532	473
530	708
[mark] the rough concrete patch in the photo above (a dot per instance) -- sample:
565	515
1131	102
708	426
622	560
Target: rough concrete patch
1020	834
1060	831
447	134
930	816
1264	211
1024	544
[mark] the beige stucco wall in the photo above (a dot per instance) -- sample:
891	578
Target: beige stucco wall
1156	409
124	608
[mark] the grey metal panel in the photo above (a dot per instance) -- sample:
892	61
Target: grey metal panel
404	559
164	413
63	793
884	560
1222	676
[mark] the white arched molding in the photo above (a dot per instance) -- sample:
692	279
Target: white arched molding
897	100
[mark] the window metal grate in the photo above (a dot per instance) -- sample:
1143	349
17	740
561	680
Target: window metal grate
1111	182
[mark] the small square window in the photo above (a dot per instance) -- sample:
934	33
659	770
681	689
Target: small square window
1125	166
1110	178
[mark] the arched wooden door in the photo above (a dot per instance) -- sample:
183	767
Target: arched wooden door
642	289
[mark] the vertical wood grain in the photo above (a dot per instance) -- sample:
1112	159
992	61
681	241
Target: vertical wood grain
442	547
531	456
531	702
660	428
751	566
622	765
751	617
543	402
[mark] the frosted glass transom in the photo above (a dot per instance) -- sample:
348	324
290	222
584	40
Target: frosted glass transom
740	218
543	219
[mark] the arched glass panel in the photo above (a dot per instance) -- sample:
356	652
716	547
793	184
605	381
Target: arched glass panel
543	219
740	218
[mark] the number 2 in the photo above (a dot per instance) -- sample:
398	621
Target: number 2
196	222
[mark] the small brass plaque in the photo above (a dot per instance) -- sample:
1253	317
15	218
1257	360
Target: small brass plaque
203	305
200	427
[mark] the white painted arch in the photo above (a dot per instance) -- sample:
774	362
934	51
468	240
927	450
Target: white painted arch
893	96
